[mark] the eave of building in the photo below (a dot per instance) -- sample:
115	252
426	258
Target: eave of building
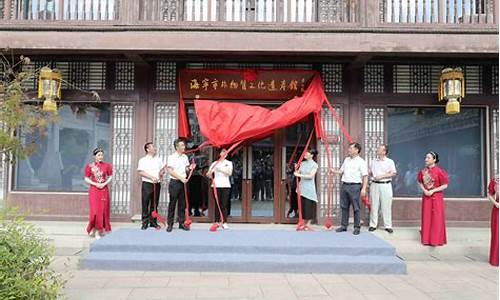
260	40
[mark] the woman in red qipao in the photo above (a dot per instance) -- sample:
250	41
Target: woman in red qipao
98	176
433	181
493	196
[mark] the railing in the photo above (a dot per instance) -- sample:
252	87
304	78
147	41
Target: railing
439	11
74	10
355	13
249	10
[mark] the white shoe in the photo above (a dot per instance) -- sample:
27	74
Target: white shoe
224	226
97	236
92	233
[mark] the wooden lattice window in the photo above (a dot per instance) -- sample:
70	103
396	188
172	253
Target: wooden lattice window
166	74
124	75
123	140
332	77
416	79
332	129
165	133
473	79
373	79
424	79
494	80
374	131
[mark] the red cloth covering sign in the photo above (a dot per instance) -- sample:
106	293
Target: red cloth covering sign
225	123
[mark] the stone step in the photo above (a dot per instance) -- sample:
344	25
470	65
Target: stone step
243	242
259	263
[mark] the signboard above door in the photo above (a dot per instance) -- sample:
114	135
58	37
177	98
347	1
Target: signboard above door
243	84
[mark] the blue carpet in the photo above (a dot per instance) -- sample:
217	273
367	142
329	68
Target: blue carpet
244	251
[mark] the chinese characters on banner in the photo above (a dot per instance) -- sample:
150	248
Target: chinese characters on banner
244	84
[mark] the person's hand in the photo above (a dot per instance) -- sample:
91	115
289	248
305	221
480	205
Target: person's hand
155	180
496	204
363	193
192	166
377	178
184	180
428	193
296	174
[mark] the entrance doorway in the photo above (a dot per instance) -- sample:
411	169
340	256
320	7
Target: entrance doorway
261	189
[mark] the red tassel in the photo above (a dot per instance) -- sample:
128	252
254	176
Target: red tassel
214	227
158	217
367	203
301	226
328	224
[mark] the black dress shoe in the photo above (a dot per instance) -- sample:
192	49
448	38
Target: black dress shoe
183	227
372	229
170	227
144	226
156	226
389	230
340	229
356	231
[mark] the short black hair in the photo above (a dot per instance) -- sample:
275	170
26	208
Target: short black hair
147	145
177	141
313	152
357	146
434	155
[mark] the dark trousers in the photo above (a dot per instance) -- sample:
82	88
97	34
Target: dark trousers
176	191
349	195
294	205
149	203
195	193
259	189
223	194
269	189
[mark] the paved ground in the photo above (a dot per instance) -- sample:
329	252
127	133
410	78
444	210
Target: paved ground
457	272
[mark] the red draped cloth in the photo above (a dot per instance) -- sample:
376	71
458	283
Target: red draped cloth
99	204
433	227
493	191
224	123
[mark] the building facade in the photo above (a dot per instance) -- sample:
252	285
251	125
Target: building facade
379	60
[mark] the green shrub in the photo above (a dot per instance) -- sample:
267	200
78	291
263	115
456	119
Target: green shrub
25	257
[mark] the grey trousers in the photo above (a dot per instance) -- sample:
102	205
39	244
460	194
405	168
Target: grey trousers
349	195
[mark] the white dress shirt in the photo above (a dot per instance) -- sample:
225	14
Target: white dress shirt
221	180
178	163
380	167
151	165
353	170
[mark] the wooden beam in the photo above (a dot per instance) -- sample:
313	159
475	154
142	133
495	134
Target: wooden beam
360	61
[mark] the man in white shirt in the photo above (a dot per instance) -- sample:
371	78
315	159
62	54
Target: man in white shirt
354	179
177	167
151	169
382	169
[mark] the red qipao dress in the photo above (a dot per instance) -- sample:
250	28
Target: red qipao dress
99	204
433	227
493	190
